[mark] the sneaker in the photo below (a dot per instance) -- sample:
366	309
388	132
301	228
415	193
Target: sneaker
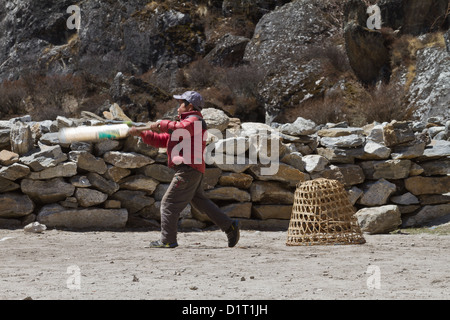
233	234
160	244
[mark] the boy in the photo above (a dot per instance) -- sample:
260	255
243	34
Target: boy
188	162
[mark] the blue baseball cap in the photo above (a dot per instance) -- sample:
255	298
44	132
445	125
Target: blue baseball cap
193	98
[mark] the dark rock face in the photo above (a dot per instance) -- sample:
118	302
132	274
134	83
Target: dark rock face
414	16
229	52
369	50
114	36
27	29
136	97
155	42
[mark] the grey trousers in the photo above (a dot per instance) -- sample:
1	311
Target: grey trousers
186	187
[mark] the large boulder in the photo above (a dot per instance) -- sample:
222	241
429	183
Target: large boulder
379	219
280	38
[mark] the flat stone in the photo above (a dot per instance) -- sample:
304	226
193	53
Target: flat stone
397	132
229	163
133	201
354	194
103	146
428	215
66	169
375	151
265	212
268	192
139	183
228	193
299	127
238	180
14	171
436	149
377	193
386	169
8	185
284	173
440	167
47	191
405	199
339	132
238	210
15	205
427	185
341	155
427	199
294	159
127	160
100	183
88	197
56	216
157	171
347	174
88	162
8	157
350	141
48	156
411	151
115	173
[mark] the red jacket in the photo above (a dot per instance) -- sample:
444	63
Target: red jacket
185	140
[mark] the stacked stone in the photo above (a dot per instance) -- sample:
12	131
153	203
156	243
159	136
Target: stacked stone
396	174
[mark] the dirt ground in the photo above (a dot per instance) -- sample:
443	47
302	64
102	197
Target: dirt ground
109	265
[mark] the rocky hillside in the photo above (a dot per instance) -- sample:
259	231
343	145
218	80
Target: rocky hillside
263	60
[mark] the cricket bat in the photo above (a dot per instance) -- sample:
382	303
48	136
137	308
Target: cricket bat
93	133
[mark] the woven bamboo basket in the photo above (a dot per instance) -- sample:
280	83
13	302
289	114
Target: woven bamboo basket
323	215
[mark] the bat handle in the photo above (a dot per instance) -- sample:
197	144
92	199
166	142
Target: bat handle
145	128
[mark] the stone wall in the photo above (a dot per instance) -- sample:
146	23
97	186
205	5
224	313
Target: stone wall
397	174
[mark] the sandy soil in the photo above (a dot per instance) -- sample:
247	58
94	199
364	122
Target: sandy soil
115	265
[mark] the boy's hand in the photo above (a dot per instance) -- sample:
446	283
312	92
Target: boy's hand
154	126
133	132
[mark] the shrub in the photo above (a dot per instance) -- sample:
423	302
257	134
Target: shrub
201	74
12	98
386	102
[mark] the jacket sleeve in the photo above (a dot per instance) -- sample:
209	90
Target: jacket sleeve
168	126
157	140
